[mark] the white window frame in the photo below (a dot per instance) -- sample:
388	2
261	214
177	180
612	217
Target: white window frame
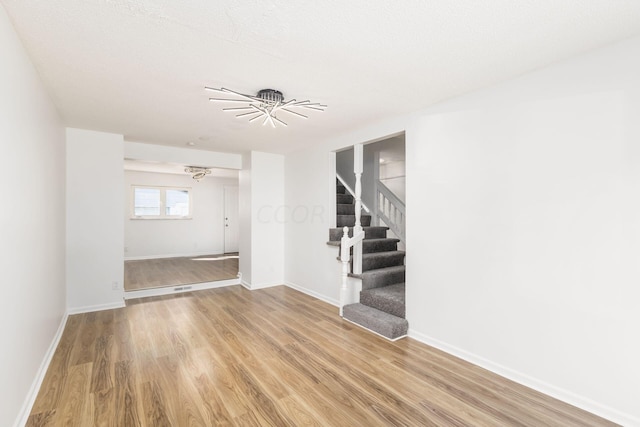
163	202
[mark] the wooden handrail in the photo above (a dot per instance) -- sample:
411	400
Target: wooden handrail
351	191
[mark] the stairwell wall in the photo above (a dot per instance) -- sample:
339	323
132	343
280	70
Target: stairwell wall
523	227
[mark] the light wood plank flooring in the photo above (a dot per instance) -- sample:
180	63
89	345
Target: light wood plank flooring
161	272
277	357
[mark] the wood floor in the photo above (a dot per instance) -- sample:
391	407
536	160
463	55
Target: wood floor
276	357
161	272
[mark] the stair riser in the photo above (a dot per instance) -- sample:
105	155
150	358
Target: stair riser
389	299
382	279
379	246
390	328
344	198
350	221
397	309
382	262
346	209
369	233
340	189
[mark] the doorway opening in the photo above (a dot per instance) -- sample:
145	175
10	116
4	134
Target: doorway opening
180	232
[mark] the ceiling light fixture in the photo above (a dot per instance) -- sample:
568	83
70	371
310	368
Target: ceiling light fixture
197	172
265	105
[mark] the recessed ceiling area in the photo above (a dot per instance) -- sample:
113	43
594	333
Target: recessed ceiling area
139	67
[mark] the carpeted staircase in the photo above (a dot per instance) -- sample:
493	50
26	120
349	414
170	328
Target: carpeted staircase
382	299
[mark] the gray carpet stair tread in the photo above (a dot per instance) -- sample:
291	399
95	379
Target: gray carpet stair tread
379	260
385	324
369	246
390	299
366	242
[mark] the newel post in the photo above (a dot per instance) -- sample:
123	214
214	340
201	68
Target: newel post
344	258
357	170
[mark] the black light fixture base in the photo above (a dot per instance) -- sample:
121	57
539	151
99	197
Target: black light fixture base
271	95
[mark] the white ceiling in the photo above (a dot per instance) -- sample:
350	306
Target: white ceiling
138	67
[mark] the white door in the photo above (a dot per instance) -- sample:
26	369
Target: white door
231	229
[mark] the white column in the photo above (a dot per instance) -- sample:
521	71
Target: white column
357	169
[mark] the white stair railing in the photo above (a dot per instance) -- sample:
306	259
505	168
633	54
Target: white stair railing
390	210
346	243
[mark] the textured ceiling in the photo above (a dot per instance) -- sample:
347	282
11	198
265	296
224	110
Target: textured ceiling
138	67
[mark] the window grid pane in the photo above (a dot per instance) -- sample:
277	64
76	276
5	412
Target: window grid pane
177	203
147	202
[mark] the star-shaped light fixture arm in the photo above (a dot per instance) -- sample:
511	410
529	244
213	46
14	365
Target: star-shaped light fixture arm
265	105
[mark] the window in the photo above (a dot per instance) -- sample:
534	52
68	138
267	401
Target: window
161	202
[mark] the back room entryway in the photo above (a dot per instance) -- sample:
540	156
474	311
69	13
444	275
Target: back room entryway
231	228
179	231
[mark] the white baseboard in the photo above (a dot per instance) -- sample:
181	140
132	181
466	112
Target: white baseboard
23	416
541	386
99	307
190	254
254	287
313	294
167	290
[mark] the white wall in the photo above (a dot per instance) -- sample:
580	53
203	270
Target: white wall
186	156
202	234
262	220
244	220
310	190
32	220
529	238
95	227
269	215
524	258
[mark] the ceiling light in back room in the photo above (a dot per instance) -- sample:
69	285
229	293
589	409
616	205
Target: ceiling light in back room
197	172
265	105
